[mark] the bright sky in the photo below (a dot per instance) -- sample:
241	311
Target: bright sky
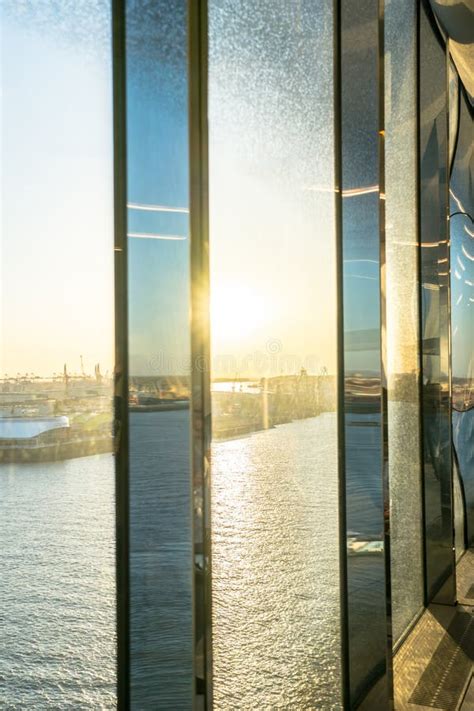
57	203
272	210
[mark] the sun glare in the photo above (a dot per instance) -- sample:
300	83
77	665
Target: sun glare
237	311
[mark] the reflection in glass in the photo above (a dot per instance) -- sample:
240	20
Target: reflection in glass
276	621
402	304
462	306
362	363
159	355
435	312
453	98
459	515
57	591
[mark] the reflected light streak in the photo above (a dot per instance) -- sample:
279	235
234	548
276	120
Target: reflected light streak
459	299
150	235
354	192
458	259
466	229
466	253
457	201
156	208
371	261
350	192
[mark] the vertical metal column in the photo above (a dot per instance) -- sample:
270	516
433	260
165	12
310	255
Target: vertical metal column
343	571
384	358
121	356
200	348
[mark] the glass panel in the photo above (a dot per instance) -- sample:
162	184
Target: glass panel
401	238
435	312
462	305
276	618
363	402
57	596
159	356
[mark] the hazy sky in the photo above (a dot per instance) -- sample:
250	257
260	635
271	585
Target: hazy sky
56	190
271	201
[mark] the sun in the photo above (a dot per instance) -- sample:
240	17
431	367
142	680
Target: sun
237	312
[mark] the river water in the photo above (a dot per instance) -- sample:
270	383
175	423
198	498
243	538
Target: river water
276	568
275	572
57	596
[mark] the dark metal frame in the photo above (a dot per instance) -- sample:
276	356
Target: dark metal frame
419	291
200	344
121	356
343	579
450	349
384	355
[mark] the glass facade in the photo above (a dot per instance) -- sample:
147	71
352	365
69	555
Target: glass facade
362	173
462	305
435	325
402	305
159	343
275	538
57	551
266	208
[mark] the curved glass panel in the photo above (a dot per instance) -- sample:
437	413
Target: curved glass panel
462	306
401	234
161	640
366	590
276	619
57	529
459	520
453	110
437	470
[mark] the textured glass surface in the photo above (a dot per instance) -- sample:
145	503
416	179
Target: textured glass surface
401	239
462	306
159	353
435	311
276	622
363	404
57	553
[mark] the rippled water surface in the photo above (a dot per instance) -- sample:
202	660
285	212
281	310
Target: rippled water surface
275	569
57	590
